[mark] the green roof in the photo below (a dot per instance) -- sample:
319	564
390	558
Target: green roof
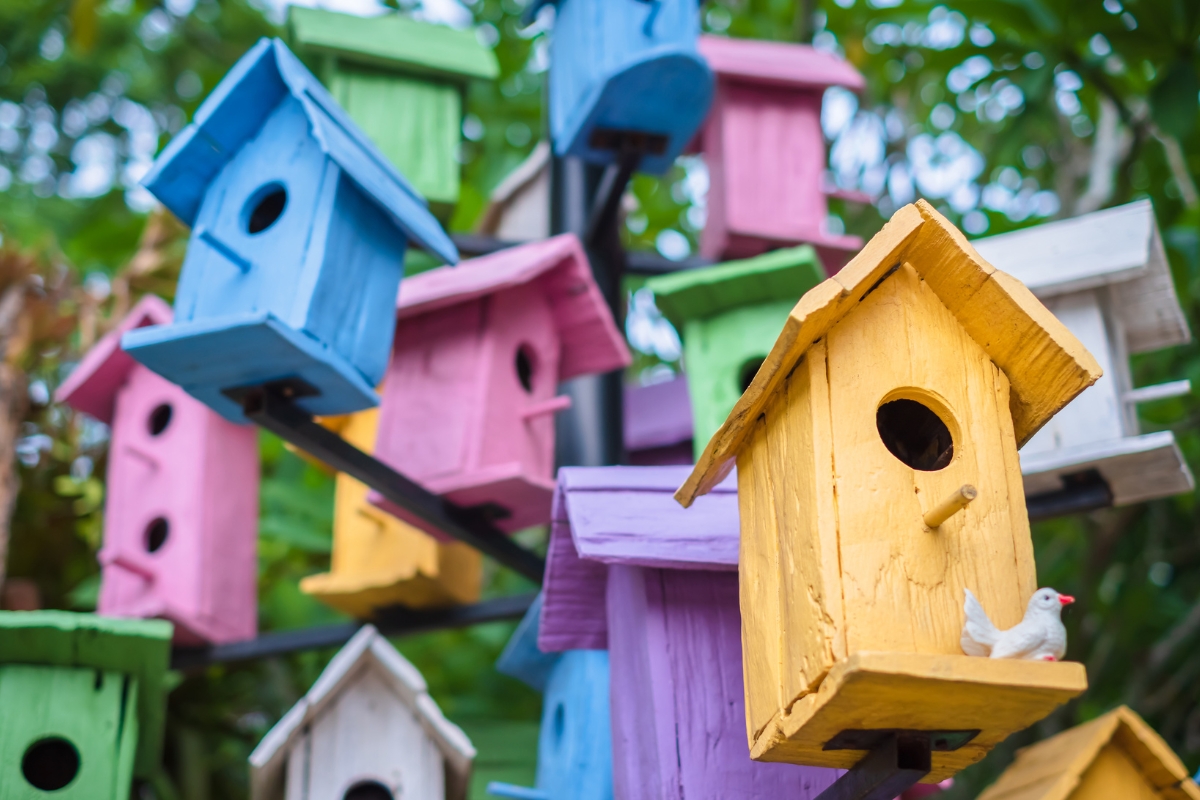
137	647
699	293
393	41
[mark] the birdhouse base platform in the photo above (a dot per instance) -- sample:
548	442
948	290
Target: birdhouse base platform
361	597
210	358
911	692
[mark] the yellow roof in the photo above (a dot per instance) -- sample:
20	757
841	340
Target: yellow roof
1045	364
1052	769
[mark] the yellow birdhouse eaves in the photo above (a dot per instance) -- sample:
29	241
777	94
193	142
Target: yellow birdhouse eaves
1044	363
1069	765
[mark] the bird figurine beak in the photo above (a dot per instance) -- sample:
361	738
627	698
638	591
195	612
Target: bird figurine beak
1066	599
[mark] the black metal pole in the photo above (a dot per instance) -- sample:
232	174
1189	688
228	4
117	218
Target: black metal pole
895	764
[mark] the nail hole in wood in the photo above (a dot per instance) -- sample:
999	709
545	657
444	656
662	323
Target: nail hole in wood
160	418
915	435
368	790
50	764
156	534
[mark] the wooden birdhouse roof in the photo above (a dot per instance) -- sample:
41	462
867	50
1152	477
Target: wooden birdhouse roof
395	41
522	659
657	415
92	386
590	340
1045	364
1054	768
368	649
1115	247
796	66
137	647
690	294
236	111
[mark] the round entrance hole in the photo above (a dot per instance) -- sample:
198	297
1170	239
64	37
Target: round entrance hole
160	418
265	207
915	435
368	790
524	367
156	534
747	373
50	764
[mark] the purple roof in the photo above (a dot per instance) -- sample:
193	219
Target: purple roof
658	415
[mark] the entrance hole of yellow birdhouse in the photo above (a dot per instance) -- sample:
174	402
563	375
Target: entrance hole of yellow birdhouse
915	434
368	790
748	371
50	764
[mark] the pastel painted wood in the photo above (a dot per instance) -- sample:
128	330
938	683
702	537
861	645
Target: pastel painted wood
403	81
765	150
368	721
471	388
916	370
518	209
380	561
83	685
1115	755
626	71
1105	275
728	317
299	229
181	509
658	423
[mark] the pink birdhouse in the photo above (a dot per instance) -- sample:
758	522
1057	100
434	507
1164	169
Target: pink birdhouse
765	150
471	391
181	514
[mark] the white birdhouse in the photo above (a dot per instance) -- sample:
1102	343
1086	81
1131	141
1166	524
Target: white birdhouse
366	730
1105	276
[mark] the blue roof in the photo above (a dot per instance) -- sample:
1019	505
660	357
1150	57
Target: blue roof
521	658
239	107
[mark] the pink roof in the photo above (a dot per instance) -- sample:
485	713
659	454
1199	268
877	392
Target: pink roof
590	340
799	66
92	386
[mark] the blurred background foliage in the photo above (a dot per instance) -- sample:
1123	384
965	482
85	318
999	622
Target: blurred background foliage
1003	113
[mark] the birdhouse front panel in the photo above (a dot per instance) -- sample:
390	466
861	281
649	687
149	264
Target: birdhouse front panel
575	741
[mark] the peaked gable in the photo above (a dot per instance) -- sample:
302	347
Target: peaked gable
93	385
235	112
1045	364
795	66
591	342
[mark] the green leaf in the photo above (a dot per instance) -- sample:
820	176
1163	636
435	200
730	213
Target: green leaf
1174	100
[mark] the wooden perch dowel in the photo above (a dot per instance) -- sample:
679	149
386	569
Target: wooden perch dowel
951	505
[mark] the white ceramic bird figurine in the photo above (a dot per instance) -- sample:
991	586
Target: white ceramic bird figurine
1040	636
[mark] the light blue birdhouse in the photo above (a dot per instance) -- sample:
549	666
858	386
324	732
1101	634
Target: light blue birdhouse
626	74
299	229
575	742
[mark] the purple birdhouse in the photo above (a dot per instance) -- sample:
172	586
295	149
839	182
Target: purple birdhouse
657	586
765	149
658	423
181	513
471	390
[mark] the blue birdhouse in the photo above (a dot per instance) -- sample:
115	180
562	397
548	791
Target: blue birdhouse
575	743
299	229
626	75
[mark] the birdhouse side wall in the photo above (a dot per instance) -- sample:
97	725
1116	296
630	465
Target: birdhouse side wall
719	351
902	584
575	741
352	305
1114	774
793	627
228	270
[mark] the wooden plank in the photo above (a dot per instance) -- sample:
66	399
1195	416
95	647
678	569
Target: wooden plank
1114	774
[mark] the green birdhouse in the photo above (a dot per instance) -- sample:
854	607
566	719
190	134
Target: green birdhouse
81	703
404	83
728	316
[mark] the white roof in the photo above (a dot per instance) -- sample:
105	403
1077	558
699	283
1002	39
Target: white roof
1118	245
367	647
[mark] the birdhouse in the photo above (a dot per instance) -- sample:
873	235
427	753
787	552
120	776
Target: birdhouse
575	741
1114	755
404	83
380	561
480	351
181	512
625	76
658	423
82	699
518	209
299	228
366	730
630	572
728	317
909	377
1105	276
765	149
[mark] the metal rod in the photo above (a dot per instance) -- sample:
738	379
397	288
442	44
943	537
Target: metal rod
292	424
897	763
394	621
953	504
608	196
1082	491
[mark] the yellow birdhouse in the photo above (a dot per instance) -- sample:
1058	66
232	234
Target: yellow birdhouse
1115	755
876	454
380	561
